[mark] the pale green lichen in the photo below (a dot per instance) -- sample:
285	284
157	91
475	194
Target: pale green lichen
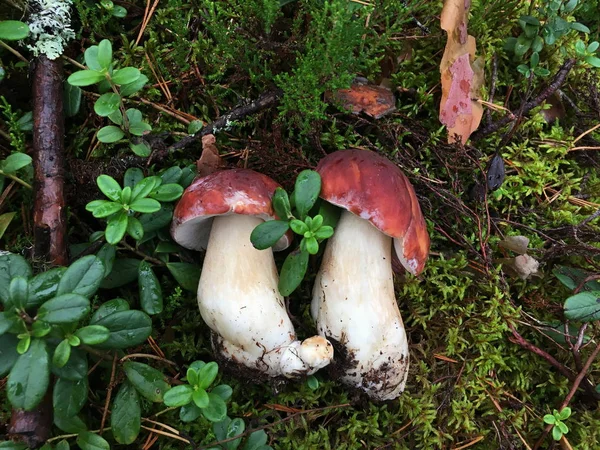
50	26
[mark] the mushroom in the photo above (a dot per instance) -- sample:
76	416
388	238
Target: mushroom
353	303
237	294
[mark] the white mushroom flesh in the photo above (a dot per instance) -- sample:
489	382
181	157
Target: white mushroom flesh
239	300
354	304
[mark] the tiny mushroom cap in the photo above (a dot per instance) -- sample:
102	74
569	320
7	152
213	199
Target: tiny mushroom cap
375	189
236	191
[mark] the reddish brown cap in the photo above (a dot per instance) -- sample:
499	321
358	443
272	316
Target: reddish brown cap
374	188
236	191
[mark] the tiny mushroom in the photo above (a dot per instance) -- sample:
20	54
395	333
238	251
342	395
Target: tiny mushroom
354	304
237	294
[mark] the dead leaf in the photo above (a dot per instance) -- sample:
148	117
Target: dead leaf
374	101
461	74
210	161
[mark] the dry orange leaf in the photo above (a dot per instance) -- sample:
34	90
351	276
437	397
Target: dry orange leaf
462	74
374	101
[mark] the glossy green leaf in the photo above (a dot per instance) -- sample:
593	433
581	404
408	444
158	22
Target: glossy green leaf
71	100
126	415
125	75
281	204
104	54
8	353
13	30
44	286
293	271
64	308
200	398
207	374
139	128
107	104
62	353
223	390
29	378
109	187
256	441
15	162
133	87
156	221
40	328
110	134
91	441
106	209
85	78
187	275
11	265
5	220
148	381
135	229
111	306
11	445
306	191
143	187
93	334
125	270
91	58
132	176
7	320
579	27
178	396
584	307
69	397
116	227
127	328
18	292
75	369
150	291
167	192
23	344
268	233
216	409
107	255
189	412
126	195
119	11
298	226
140	149
145	205
83	277
72	424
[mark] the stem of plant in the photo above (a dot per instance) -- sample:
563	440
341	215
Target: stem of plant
17	179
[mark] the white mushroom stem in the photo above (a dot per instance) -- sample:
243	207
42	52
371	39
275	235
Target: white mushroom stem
239	300
354	304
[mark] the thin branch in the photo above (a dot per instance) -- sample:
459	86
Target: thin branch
111	385
556	83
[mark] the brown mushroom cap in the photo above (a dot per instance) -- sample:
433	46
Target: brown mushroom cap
236	191
374	188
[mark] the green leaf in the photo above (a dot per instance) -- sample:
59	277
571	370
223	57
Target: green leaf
167	192
593	61
40	328
530	20
107	254
570	6
64	308
91	58
11	266
549	419
200	398
11	445
109	187
5	220
178	396
7	320
112	306
71	99
125	75
135	228
133	87
104	54
150	291
75	369
145	205
562	427
116	117
298	226
207	374
61	354
312	382
18	292
580	47
63	445
537	44
292	272
29	378
325	232
187	275
70	424
189	412
216	409
268	233
144	187
15	161
312	246
13	30
564	414
256	440
195	126
69	397
93	334
85	78
534	60
44	286
119	11
23	344
91	441
106	209
306	191
125	270
235	428
126	415
281	204
140	128
579	27
132	176
83	277
107	104
572	278
110	134
584	306
191	377
8	353
127	328
171	175
556	433
116	227
156	221
523	44
593	46
148	381
140	149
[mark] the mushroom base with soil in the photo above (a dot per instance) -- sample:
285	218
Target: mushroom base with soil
354	304
244	309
